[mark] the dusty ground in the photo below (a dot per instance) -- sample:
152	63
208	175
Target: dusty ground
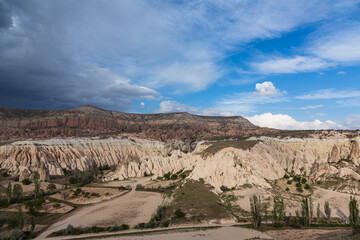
131	208
104	194
300	234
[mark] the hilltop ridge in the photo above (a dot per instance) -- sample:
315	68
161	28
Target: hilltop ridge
18	124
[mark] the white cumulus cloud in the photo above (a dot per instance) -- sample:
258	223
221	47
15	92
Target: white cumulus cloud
284	121
266	89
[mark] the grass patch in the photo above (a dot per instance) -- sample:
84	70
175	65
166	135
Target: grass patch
219	145
197	202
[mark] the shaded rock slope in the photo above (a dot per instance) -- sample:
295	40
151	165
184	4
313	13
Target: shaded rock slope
17	124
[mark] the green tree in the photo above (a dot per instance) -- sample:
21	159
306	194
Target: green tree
8	192
327	211
305	210
278	212
20	216
354	215
318	213
17	192
37	184
256	210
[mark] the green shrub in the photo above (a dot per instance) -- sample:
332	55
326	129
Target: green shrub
307	186
77	192
56	205
247	185
51	187
297	179
166	224
299	189
5	174
16	234
287	189
139	187
167	176
277	225
179	214
174	176
70	230
95	194
286	176
224	188
298	185
26	181
303	180
140	226
289	182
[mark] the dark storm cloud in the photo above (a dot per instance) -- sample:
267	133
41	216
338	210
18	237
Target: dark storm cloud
43	63
5	17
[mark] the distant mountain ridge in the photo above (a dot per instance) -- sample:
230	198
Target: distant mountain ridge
18	124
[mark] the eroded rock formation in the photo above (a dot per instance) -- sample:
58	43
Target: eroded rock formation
317	158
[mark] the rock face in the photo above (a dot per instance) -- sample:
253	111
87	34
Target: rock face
16	124
270	158
24	173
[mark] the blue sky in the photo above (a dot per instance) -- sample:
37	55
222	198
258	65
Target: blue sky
282	64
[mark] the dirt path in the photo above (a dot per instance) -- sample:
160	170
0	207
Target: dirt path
300	234
131	208
180	232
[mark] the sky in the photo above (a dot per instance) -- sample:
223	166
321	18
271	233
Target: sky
282	64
